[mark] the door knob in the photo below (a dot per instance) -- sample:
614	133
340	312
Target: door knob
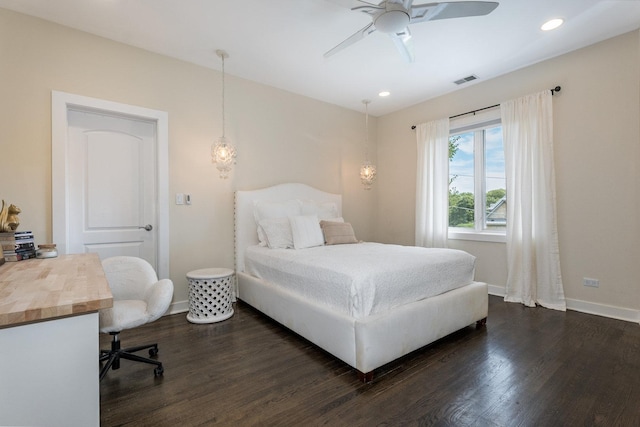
147	227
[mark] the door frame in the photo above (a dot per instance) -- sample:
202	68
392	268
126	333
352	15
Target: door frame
61	102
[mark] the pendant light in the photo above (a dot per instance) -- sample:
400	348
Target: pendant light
223	153
367	170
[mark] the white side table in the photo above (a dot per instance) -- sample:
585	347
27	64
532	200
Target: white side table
210	295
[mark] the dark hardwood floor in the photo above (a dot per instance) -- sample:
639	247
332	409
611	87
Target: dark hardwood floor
528	367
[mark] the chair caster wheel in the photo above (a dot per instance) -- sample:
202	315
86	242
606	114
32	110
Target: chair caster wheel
153	351
158	371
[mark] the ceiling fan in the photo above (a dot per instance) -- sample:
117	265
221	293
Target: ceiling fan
393	17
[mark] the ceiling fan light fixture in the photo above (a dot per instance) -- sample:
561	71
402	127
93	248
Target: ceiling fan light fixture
392	21
552	24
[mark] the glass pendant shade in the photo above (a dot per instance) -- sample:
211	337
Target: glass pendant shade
367	174
223	154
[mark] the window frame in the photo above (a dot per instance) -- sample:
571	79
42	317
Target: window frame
477	123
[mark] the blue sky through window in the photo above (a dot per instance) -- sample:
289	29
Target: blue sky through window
462	164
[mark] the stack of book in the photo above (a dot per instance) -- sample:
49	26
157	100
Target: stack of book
17	245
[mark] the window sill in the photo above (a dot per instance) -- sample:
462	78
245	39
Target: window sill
487	236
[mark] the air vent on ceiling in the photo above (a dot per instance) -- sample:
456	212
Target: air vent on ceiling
466	79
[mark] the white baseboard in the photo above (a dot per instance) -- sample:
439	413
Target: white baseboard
178	307
496	290
613	312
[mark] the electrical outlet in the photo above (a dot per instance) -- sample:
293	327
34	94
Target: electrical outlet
179	199
594	283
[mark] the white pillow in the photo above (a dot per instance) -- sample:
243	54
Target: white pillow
277	233
269	210
306	231
266	209
324	210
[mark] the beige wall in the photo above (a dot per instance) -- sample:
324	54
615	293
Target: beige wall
280	136
597	156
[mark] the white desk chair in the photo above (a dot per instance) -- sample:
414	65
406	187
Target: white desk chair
138	298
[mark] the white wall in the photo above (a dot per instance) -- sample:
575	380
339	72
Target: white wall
280	136
597	156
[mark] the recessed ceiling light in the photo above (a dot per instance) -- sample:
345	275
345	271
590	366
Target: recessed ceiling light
384	93
552	24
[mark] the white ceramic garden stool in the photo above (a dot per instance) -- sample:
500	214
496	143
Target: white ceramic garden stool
210	295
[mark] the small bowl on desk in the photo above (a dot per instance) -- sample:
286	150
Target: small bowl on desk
47	251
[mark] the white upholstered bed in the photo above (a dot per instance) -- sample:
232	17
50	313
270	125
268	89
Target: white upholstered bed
379	327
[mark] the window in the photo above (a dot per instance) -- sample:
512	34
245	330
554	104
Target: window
477	184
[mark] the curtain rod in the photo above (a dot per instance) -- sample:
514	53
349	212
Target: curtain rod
555	89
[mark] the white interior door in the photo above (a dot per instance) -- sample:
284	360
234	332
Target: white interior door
111	185
110	177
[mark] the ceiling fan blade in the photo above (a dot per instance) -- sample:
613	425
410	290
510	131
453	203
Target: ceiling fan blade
448	10
370	3
351	40
350	4
404	44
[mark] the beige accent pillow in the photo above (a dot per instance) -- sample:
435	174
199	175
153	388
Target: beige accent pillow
337	233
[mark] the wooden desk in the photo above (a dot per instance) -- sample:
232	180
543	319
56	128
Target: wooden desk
49	340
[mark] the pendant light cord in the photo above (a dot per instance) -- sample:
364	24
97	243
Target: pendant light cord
366	129
222	56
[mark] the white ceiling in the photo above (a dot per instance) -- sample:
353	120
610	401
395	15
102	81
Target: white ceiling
281	43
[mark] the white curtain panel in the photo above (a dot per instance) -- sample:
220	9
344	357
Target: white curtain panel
533	257
432	187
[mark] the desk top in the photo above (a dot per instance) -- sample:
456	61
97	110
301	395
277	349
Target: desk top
42	289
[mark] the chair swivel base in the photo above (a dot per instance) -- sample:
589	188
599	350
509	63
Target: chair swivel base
116	353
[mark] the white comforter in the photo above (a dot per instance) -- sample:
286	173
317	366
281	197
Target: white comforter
365	278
